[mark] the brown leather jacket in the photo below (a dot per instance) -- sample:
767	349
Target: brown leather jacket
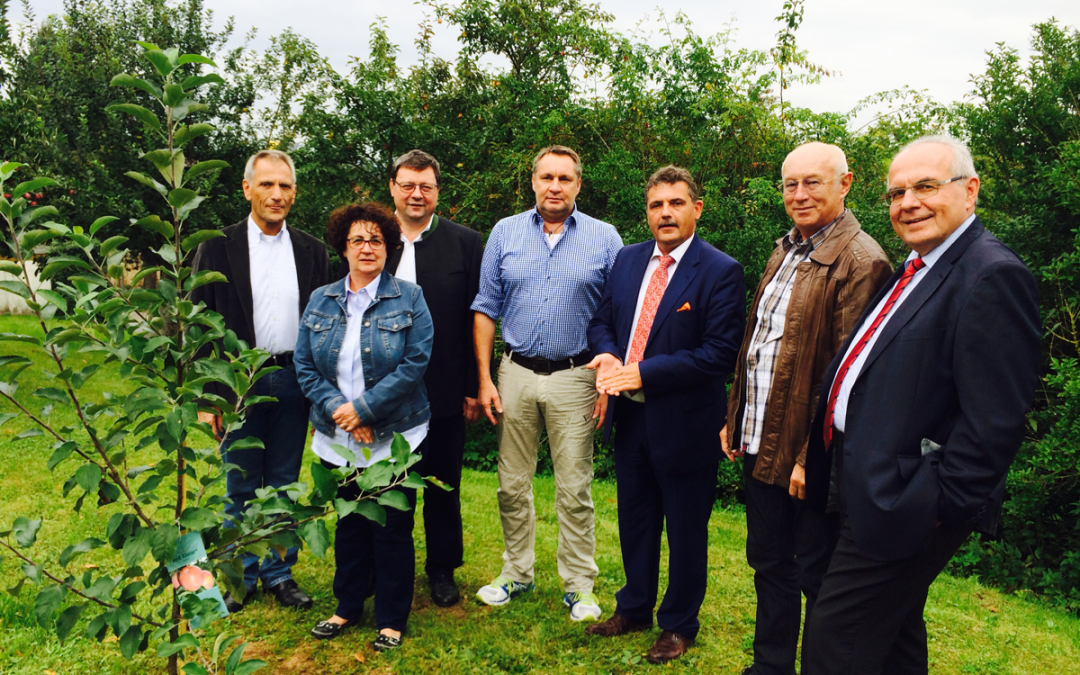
829	293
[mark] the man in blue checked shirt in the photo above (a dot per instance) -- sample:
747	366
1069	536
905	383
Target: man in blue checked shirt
543	274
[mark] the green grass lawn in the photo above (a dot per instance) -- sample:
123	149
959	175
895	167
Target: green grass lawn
973	629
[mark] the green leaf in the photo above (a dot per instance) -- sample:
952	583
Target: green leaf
160	61
163	542
371	511
147	271
131	641
158	225
400	451
186	134
100	223
150	183
125	80
248	443
249	666
47	601
8	168
195	58
25	531
17	287
11	268
138	112
30	215
174	94
58	263
205	277
88	476
19	337
234	659
204	167
185	641
181	196
32	185
344	507
60	454
32	238
6	417
52	394
72	552
29	433
194	669
395	500
325	483
199	237
198	518
67	621
53	298
315	534
137	546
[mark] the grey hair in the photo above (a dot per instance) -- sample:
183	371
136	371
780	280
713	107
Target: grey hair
277	155
837	157
962	163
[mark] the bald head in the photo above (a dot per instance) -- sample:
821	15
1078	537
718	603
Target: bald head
815	182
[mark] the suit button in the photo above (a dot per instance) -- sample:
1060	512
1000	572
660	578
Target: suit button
395	326
367	324
367	350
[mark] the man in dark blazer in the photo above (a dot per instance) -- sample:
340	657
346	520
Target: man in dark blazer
663	350
922	411
444	259
271	270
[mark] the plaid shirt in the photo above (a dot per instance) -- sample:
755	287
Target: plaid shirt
546	295
769	331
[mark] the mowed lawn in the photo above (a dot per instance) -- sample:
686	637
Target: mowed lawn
973	629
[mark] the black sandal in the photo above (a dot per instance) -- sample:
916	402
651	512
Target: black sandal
385	643
327	630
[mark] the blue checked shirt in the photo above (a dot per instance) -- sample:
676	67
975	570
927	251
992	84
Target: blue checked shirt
546	296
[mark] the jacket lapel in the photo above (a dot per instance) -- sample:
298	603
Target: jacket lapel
305	261
627	302
236	248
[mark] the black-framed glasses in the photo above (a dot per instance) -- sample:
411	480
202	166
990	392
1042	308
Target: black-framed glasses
358	242
922	190
409	188
811	185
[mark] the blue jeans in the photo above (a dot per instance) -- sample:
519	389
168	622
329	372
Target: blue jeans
282	427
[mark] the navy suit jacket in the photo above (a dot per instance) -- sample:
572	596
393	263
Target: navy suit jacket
936	415
690	352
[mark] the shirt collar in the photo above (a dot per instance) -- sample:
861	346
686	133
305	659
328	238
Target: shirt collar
933	256
370	290
255	235
794	238
424	231
570	219
679	251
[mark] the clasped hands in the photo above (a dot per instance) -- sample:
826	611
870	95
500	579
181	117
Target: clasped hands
347	420
612	377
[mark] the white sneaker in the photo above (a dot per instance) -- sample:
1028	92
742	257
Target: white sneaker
501	591
583	606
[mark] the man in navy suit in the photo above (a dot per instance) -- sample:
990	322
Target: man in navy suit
922	411
665	337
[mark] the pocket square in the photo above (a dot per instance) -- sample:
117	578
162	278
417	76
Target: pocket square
685	307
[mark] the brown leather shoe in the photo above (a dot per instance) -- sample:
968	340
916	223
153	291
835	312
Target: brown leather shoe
667	647
616	625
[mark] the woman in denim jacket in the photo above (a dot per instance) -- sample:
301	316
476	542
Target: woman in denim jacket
360	358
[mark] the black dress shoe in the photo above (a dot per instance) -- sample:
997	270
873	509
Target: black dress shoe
288	594
234	605
444	591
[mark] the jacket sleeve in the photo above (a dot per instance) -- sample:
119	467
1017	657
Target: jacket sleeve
601	331
472	377
996	370
715	358
379	402
316	387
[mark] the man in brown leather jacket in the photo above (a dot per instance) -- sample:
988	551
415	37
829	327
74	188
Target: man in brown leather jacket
817	282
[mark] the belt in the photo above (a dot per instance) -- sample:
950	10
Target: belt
283	360
545	367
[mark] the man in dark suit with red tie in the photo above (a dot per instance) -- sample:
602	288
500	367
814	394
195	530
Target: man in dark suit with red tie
665	336
922	411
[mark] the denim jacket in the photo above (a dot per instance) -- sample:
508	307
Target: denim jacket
395	355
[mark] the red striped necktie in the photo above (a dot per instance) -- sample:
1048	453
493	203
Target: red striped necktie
914	266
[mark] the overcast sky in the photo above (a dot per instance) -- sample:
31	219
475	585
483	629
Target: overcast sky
874	46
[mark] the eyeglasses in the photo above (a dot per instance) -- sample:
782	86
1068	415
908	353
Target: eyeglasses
922	190
810	185
425	188
358	242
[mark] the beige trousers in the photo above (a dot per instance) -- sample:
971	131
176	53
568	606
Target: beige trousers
562	403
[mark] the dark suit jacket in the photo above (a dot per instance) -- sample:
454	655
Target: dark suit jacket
690	351
448	270
955	367
229	255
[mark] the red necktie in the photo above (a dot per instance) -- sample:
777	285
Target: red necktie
653	294
914	266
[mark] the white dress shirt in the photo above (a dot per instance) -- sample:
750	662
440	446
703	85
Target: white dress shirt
654	262
275	290
350	379
840	411
406	268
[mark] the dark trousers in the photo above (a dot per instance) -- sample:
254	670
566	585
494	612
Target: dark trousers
442	509
648	495
788	546
282	427
868	619
369	557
